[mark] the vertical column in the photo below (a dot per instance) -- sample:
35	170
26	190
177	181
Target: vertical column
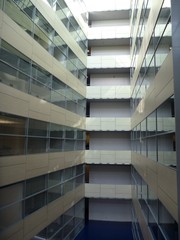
175	7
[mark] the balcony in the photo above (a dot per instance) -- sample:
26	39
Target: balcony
108	61
108	124
108	191
107	157
108	92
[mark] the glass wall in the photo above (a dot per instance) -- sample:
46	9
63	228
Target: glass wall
18	71
19	136
65	15
159	46
67	226
27	16
154	137
32	194
160	222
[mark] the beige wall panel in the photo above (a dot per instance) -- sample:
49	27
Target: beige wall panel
37	164
58	115
12	232
58	70
73	158
69	200
13	101
81	157
1	22
74	120
39	106
12	174
56	161
18	235
12	160
55	209
79	193
35	222
41	56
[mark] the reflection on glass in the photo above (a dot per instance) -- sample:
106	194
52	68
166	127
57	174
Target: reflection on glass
32	204
12	145
167	150
37	128
36	145
35	185
168	225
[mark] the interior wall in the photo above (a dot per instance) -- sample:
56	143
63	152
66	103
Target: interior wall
110	141
110	79
110	174
110	210
110	109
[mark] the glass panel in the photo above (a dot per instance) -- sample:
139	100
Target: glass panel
80	145
37	128
58	99
55	227
15	191
69	173
79	169
167	150
166	117
80	134
14	12
12	125
68	215
11	145
69	145
43	24
56	145
10	215
35	185
56	130
153	203
37	145
79	180
34	203
55	178
40	91
69	133
41	75
152	148
69	186
167	224
54	193
151	124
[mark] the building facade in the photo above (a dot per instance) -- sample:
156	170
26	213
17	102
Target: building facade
43	76
154	160
88	117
